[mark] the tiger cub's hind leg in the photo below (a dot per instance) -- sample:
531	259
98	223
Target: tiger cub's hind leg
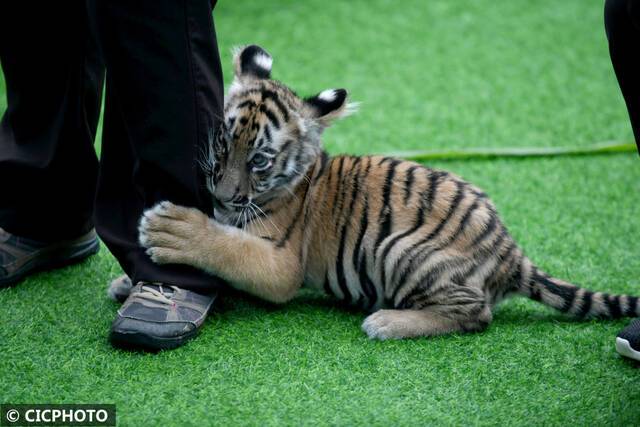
456	309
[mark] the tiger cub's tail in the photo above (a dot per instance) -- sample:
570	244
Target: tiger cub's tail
574	300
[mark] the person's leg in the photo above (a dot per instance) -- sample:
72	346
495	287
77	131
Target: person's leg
164	95
48	166
163	100
622	24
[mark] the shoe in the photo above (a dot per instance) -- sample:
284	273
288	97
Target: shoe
157	317
628	341
20	256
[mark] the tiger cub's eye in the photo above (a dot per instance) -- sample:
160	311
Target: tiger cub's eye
260	162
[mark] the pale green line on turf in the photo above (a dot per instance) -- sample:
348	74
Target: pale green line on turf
611	147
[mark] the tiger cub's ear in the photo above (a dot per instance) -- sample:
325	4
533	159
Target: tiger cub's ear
329	105
251	62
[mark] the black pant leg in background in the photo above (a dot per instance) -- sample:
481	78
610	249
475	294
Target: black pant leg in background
622	24
53	76
163	95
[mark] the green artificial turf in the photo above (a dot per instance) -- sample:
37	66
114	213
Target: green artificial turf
430	75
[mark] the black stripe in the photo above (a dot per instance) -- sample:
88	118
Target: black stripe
286	145
270	151
415	265
324	160
289	230
342	282
232	121
364	223
459	230
307	218
365	174
340	166
486	254
516	273
422	213
246	103
450	211
283	161
339	184
408	183
340	257
342	194
356	164
632	306
613	304
293	223
419	222
425	282
567	293
493	221
461	301
434	178
435	232
367	168
248	92
367	284
479	194
355	171
463	222
272	118
267	94
406	272
503	259
409	296
360	262
386	211
534	293
267	133
585	307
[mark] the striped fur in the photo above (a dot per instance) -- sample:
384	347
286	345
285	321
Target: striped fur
422	249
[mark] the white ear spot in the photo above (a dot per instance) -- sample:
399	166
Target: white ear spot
328	95
263	61
252	61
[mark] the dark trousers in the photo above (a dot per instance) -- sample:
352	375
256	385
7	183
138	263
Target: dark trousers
163	96
622	24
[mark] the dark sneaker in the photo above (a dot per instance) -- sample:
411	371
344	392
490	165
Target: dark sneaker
156	316
20	256
120	288
628	341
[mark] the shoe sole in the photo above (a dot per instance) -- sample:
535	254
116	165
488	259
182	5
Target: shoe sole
53	258
138	340
624	348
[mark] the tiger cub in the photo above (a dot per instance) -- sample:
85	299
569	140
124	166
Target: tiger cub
422	249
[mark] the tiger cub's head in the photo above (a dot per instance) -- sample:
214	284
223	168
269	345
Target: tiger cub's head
269	138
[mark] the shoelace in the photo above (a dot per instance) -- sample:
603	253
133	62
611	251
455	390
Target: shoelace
156	295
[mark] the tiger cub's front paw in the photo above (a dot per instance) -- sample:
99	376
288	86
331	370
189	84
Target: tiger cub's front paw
388	324
171	233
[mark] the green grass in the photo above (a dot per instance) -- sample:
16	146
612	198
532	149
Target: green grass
430	75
